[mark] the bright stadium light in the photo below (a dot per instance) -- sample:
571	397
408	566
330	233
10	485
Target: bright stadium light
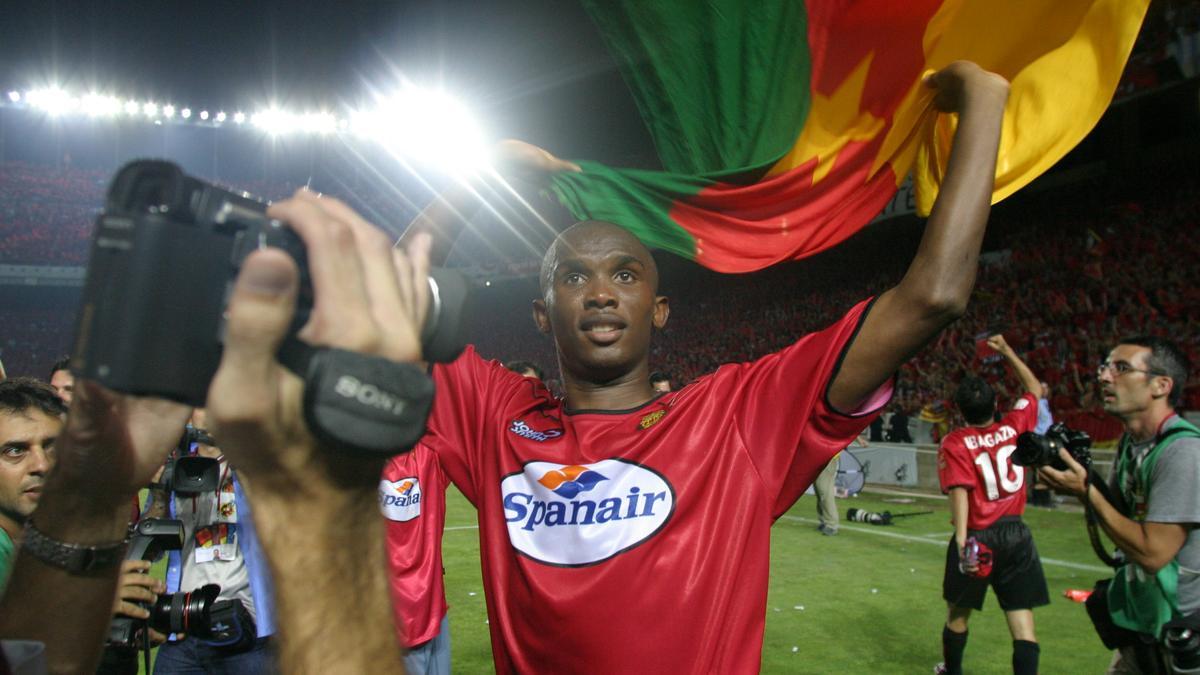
185	113
221	116
150	109
428	125
168	110
99	105
204	115
53	101
14	96
239	117
132	107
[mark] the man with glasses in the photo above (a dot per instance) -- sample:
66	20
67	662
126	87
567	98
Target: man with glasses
1154	484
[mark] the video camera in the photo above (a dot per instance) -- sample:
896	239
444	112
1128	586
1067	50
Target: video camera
165	254
1037	450
198	613
186	473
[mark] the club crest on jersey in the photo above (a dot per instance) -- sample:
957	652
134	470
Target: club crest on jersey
400	500
651	419
576	515
520	428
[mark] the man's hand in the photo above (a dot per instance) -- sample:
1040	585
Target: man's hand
136	585
999	344
369	299
528	162
113	443
1072	481
960	83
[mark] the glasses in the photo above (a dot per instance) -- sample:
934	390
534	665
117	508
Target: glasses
1120	368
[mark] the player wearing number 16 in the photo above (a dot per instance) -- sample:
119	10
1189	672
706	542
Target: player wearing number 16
991	545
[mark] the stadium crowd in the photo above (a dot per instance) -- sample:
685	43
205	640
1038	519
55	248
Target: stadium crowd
1059	281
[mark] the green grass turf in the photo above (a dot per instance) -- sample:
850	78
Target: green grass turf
872	603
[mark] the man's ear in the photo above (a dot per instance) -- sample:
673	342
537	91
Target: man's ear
1162	386
540	317
662	310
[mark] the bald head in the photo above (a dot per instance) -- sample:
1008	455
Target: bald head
590	235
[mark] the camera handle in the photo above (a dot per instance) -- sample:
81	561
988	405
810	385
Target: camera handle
357	403
1096	480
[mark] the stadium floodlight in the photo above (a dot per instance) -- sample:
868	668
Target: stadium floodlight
204	115
150	109
426	125
221	116
239	117
14	96
319	123
185	113
53	101
274	121
132	107
168	110
99	105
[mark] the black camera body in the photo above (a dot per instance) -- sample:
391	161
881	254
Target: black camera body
1181	637
165	254
1042	449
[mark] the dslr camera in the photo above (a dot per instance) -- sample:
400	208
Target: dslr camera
165	254
198	613
1042	449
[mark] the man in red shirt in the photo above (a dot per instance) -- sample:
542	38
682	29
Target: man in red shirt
624	530
987	498
412	497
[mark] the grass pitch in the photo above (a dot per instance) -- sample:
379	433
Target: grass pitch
868	600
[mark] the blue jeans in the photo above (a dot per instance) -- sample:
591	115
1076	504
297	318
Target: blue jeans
193	657
433	657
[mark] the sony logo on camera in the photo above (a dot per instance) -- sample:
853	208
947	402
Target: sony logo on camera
369	395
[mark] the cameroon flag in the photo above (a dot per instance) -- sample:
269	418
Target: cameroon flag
784	126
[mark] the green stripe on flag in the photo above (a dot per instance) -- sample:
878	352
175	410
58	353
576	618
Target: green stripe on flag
736	101
639	201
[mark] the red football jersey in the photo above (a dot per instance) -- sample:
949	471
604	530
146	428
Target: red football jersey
638	540
980	460
412	496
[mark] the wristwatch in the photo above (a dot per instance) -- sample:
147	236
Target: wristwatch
74	558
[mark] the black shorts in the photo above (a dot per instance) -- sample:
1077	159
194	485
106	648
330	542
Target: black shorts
1016	574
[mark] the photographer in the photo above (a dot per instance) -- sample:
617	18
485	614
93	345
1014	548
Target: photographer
987	498
1154	484
220	547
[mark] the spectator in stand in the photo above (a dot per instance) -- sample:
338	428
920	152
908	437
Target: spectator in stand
62	380
898	427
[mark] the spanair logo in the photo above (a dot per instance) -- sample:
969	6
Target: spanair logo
520	428
576	515
400	500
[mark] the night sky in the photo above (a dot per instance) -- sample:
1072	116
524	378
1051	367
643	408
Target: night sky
531	69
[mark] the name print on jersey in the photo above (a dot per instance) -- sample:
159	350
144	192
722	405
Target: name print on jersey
400	500
577	515
520	428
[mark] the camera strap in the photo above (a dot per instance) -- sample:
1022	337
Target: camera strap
358	403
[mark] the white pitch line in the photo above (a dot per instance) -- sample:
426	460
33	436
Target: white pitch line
942	542
461	527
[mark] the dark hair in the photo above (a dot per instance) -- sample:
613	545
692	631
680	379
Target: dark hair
62	364
522	366
975	398
19	394
659	376
1166	359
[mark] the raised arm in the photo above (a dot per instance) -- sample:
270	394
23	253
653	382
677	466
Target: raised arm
1028	379
935	290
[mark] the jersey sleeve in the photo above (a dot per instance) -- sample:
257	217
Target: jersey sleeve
1024	414
466	392
954	466
780	408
